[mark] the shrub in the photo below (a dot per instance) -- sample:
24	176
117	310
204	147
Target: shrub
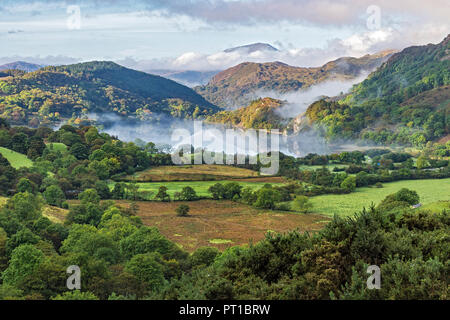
182	210
302	204
188	194
349	183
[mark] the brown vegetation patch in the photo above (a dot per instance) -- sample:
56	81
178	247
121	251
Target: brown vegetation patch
192	173
216	223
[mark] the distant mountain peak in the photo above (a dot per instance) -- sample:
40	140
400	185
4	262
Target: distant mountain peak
249	48
21	65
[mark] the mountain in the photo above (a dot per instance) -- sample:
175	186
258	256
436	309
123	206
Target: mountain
405	101
21	65
250	48
238	85
52	94
260	114
188	78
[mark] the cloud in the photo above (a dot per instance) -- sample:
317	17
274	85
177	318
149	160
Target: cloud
356	45
322	12
247	12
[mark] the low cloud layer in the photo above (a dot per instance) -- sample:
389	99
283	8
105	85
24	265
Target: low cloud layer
357	45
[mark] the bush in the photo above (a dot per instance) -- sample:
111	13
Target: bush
379	185
302	204
182	210
349	183
188	194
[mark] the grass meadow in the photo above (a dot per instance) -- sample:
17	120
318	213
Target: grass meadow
57	146
17	160
430	191
201	187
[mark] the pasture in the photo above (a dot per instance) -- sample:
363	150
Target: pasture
57	146
17	160
201	187
430	191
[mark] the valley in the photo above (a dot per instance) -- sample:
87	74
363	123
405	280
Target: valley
89	177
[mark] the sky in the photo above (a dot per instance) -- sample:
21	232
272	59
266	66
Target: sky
192	34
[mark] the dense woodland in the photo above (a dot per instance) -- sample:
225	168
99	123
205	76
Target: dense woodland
53	94
406	101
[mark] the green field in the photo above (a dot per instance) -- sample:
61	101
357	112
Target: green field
430	191
57	146
329	166
17	160
200	187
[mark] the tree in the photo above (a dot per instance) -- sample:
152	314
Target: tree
302	204
24	260
25	185
79	151
146	240
188	194
266	198
409	196
216	190
36	147
102	189
89	196
248	196
422	162
203	256
54	196
119	192
182	210
147	268
26	206
19	143
349	184
232	190
162	194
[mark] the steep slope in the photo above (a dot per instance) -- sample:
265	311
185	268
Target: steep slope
21	65
55	93
405	101
238	85
260	114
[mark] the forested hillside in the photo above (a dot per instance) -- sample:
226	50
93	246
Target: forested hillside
55	93
405	101
260	114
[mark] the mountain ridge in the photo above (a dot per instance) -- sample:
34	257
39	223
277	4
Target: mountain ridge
235	86
52	94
